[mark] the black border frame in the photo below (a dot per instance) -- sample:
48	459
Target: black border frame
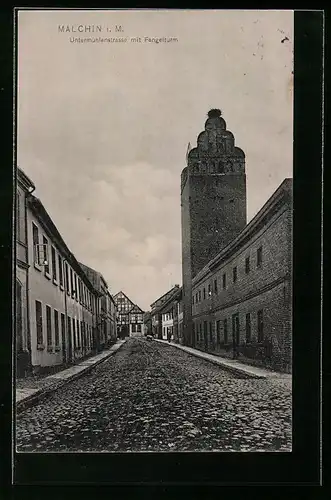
159	472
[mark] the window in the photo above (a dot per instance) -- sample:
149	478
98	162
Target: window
260	332
46	264
225	331
63	328
54	264
193	300
205	333
209	290
259	257
67	277
56	328
139	328
199	295
211	332
60	270
78	335
39	322
224	281
218	332
234	271
204	294
248	328
35	238
196	297
215	286
49	326
247	265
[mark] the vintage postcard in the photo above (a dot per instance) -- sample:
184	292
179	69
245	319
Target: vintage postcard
153	287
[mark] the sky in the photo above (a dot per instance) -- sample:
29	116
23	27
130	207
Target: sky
103	127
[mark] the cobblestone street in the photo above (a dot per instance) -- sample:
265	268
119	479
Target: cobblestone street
153	397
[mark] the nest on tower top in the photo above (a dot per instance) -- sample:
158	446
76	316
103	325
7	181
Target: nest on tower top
214	113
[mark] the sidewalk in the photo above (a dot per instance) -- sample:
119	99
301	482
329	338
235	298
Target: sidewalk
232	365
33	391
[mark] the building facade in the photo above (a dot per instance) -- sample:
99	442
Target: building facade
25	187
237	278
130	317
62	300
241	301
213	201
147	323
105	331
164	314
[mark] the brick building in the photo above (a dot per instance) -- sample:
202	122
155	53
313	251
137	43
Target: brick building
160	306
241	300
213	201
236	277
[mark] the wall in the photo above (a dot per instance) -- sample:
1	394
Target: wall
217	212
186	258
49	292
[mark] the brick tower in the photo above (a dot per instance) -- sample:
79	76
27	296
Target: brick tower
213	201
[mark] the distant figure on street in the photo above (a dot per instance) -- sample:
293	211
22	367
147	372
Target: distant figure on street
169	335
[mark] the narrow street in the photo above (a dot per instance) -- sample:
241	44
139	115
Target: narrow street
153	397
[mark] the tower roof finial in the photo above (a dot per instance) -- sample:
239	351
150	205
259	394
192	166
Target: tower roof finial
214	113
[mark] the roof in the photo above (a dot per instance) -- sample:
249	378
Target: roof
279	198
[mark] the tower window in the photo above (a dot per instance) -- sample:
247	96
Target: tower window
209	290
204	294
247	265
234	271
224	281
215	286
260	330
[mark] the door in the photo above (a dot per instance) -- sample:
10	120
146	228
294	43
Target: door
19	318
63	336
205	334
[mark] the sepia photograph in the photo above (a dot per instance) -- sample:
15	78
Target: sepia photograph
153	231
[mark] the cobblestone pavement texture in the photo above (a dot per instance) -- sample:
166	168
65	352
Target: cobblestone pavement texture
154	397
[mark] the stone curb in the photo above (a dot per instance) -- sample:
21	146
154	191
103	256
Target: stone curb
243	371
41	393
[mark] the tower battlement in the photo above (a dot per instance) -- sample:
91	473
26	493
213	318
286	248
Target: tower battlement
213	199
